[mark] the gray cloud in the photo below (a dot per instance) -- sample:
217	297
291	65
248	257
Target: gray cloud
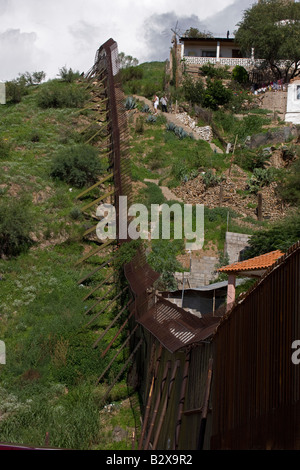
157	29
19	46
157	32
227	19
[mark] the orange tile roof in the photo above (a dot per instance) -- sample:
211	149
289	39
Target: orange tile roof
259	262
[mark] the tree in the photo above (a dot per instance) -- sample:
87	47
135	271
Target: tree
127	60
195	33
272	28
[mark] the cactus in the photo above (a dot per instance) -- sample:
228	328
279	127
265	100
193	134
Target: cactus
130	103
151	118
145	109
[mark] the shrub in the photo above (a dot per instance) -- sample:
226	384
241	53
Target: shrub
77	165
240	74
216	94
15	227
193	90
280	236
261	177
15	89
139	125
211	71
210	179
5	148
68	75
60	95
289	186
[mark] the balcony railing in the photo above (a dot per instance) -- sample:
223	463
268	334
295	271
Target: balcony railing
232	62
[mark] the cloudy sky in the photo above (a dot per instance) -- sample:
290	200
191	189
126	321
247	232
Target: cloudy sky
47	35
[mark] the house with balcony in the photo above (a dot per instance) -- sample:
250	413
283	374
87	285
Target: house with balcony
221	51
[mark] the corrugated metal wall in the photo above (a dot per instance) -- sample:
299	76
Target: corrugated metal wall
256	388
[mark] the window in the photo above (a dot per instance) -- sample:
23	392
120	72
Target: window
209	54
298	92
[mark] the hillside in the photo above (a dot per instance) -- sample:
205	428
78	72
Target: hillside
49	391
49	386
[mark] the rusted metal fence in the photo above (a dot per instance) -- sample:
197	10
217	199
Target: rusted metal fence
256	396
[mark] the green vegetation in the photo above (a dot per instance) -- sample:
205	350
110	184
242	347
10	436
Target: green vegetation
78	165
265	27
144	80
279	236
48	385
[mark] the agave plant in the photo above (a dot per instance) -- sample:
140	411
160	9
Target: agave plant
151	118
145	109
130	103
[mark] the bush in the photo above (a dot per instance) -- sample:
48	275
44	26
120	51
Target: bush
216	94
61	95
5	148
68	75
289	186
211	71
193	90
261	177
77	165
240	74
15	227
280	236
15	89
210	179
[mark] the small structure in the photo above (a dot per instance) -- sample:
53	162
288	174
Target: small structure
254	267
293	102
203	300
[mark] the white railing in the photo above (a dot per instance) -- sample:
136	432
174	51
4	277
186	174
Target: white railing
232	62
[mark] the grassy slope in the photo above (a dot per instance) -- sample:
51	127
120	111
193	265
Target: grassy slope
48	382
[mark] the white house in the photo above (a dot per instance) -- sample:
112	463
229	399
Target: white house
222	51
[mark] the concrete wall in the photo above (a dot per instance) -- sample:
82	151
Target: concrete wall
2	93
235	243
293	103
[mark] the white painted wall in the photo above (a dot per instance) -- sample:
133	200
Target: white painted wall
196	51
2	93
293	103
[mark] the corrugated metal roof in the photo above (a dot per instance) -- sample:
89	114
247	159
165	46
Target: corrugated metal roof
139	274
174	327
259	262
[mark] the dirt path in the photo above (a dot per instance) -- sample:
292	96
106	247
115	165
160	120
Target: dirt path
171	117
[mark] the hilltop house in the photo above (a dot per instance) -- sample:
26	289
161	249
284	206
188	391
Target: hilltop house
222	51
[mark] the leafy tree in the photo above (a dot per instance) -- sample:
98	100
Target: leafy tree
127	60
195	33
280	236
68	76
272	28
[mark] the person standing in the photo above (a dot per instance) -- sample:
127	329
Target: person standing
155	103
164	102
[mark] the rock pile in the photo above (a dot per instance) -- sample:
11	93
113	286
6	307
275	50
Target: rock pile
204	133
232	193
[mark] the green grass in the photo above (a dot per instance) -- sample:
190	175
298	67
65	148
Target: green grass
48	384
151	81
